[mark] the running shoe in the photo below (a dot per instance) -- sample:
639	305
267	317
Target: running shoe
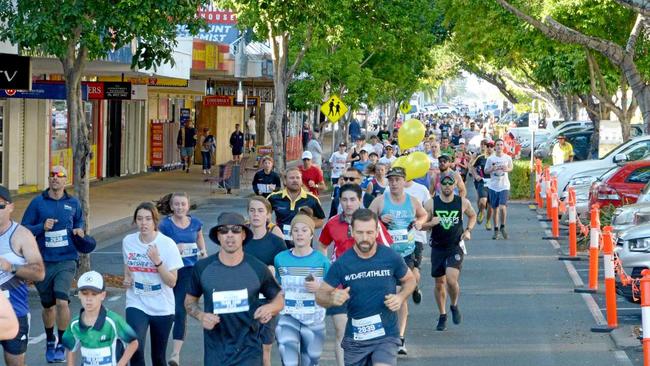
174	360
488	225
504	233
50	354
59	353
495	236
442	323
402	348
455	314
417	295
480	217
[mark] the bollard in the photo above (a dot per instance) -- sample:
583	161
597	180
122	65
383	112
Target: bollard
610	283
555	221
594	236
538	183
573	228
645	315
549	191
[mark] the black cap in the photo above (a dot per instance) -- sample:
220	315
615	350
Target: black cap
230	218
561	136
396	172
444	157
5	194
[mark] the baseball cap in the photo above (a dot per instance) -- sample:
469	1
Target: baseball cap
230	218
444	157
342	144
396	172
561	136
5	194
91	280
363	150
461	140
448	175
361	137
489	144
307	155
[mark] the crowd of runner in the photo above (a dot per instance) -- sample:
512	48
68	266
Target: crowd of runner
280	272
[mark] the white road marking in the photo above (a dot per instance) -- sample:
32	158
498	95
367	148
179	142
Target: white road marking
622	357
36	340
114	298
107	253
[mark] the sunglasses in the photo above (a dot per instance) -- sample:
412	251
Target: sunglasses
3	205
447	182
57	174
235	229
349	179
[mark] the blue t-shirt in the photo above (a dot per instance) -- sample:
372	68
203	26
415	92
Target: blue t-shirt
370	280
291	271
185	239
361	165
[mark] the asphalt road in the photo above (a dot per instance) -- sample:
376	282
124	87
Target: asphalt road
517	300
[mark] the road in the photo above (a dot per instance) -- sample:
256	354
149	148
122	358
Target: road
517	300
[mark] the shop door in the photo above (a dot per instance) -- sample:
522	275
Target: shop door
114	139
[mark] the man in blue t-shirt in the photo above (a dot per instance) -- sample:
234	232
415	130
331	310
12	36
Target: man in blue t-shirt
368	276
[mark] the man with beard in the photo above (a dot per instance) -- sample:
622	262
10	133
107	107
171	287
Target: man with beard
447	244
444	165
368	276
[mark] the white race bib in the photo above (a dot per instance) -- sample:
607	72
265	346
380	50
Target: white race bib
286	229
147	289
56	239
6	293
228	302
188	249
368	328
299	303
265	188
96	356
399	235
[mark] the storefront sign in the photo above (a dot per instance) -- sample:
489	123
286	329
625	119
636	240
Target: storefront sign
54	91
250	101
157	145
221	25
149	81
218	101
15	72
185	116
109	90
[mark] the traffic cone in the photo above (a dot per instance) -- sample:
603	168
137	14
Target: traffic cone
645	315
610	283
555	220
573	228
594	236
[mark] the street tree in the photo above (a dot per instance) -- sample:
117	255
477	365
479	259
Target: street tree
76	32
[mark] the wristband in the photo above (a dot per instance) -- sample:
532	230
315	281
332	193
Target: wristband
159	264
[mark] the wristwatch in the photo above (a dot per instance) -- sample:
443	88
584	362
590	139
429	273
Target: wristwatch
13	269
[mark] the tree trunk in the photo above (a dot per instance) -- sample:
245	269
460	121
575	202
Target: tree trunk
392	115
73	69
592	111
561	102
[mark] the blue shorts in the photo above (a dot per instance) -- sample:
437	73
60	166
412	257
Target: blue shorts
497	199
187	151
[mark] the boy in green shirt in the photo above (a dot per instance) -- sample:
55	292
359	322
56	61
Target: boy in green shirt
96	330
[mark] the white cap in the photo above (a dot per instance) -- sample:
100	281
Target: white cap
461	140
91	281
307	155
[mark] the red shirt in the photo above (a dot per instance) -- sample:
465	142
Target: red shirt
314	174
337	230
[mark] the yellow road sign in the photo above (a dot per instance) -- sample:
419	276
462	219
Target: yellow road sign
405	107
334	109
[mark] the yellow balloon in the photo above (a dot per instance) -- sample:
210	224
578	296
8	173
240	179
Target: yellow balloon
399	162
410	134
417	165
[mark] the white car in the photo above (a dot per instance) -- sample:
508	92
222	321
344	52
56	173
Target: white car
635	214
587	171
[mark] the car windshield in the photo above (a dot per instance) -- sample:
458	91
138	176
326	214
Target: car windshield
608	174
645	194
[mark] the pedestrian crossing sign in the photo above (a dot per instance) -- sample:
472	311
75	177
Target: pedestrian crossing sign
334	109
405	107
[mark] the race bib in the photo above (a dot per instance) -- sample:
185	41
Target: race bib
56	239
147	289
6	293
96	356
188	249
368	328
286	229
299	303
228	302
265	188
399	235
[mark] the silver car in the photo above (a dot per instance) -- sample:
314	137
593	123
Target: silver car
633	249
635	214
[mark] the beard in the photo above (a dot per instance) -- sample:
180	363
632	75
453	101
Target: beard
365	246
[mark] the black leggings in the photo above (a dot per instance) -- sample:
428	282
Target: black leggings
180	318
160	326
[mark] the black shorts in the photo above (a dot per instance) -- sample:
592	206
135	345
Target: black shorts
18	345
441	259
57	282
336	310
267	331
481	189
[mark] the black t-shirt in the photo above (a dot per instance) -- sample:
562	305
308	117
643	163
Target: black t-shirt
234	292
480	166
266	248
265	184
383	135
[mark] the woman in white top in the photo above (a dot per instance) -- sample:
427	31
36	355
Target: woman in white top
151	261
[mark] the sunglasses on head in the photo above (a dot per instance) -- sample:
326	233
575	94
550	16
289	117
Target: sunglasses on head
57	174
235	229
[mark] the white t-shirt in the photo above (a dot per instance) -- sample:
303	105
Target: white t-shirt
420	193
149	293
338	163
388	161
251	126
498	179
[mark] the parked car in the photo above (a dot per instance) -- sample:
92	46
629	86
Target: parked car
559	125
633	250
635	214
585	172
580	140
620	186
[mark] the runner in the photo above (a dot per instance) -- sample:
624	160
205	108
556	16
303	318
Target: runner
231	283
52	217
498	166
389	156
351	176
420	193
266	181
401	213
338	231
368	276
300	271
9	326
187	232
337	160
288	201
378	184
264	245
444	164
96	330
20	261
480	178
151	263
447	245
312	175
